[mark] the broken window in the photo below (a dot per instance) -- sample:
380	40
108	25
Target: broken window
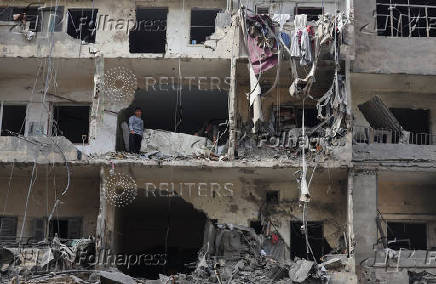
81	24
407	235
71	122
202	24
66	228
13	120
315	233
312	13
150	33
406	18
8	228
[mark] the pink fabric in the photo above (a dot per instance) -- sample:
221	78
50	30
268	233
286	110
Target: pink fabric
261	59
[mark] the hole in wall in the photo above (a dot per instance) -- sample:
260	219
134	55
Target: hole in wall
168	231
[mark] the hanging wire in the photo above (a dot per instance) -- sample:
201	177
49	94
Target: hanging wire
29	191
7	195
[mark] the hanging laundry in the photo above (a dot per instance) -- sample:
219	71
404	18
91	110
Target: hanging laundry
301	45
261	59
281	19
286	39
261	42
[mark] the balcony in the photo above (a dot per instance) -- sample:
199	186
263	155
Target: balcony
383	145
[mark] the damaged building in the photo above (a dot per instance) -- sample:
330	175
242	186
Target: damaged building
279	141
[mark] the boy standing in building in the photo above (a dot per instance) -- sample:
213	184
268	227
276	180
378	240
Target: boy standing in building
136	127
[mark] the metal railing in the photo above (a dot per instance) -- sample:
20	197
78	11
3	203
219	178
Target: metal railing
368	135
399	19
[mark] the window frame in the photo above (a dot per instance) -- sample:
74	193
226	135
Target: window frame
13	103
52	116
201	44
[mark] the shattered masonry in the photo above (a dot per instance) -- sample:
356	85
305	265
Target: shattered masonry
217	141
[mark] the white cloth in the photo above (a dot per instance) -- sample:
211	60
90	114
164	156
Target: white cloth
281	19
305	48
300	21
301	47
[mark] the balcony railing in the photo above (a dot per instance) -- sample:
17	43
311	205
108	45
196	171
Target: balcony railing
368	135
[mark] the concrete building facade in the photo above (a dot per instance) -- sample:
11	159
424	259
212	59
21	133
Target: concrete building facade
328	147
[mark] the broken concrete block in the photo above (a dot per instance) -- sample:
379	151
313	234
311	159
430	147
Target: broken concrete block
116	277
300	270
173	144
379	116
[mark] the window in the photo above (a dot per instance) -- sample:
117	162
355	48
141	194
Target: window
71	122
38	229
417	121
316	238
81	24
406	18
51	19
407	235
262	10
150	33
8	228
32	16
312	13
66	228
13	120
202	24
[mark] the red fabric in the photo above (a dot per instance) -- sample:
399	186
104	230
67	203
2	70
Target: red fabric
274	238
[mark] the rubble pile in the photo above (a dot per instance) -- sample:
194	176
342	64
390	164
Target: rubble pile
45	258
231	254
235	254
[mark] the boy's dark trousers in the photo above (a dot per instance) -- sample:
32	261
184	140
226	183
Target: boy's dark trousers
134	143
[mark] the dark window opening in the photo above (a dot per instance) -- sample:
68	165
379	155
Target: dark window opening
199	112
407	235
315	231
290	117
312	13
202	24
398	18
262	10
150	32
66	228
38	229
161	234
257	226
71	122
13	120
8	228
81	24
31	14
416	121
272	197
